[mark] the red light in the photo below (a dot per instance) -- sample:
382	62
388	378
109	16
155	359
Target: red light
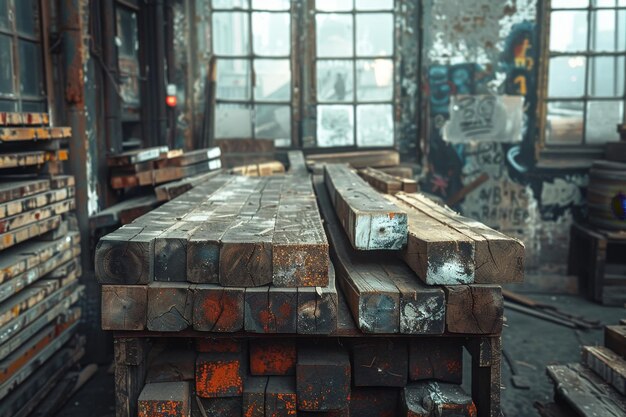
171	101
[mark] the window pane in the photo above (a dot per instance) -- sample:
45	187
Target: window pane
565	123
272	122
7	105
333	5
233	121
602	117
230	33
30	68
567	77
233	79
273	79
334	35
621	75
602	81
230	4
270	33
33	106
568	31
6	65
26	11
374	80
4	14
603	38
335	126
335	81
621	30
570	4
374	125
270	4
127	32
374	34
374	4
604	3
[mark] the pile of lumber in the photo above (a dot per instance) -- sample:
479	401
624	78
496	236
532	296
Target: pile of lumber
388	183
265	296
160	165
244	152
596	386
39	267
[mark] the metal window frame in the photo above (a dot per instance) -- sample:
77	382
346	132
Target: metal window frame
17	97
393	101
251	57
589	55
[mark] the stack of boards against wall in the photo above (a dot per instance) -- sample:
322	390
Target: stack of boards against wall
40	265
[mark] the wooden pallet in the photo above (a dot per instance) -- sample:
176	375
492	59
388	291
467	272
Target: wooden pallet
601	277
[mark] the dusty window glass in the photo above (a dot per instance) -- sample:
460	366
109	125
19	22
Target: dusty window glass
270	34
335	125
33	106
272	121
270	4
334	35
25	12
374	34
565	123
567	76
374	80
230	33
374	4
333	5
6	65
374	125
30	59
602	76
335	81
602	116
7	105
603	35
233	79
230	4
4	14
127	32
568	31
233	121
272	79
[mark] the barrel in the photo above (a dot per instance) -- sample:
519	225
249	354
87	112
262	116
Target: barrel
606	195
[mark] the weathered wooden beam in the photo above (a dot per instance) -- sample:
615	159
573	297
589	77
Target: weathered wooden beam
280	396
124	307
615	339
136	156
220	375
607	364
498	258
12	190
423	399
254	396
370	221
474	309
380	363
318	307
331	364
218	309
358	160
383	294
438	359
23	119
299	247
170	307
165	398
170	191
297	164
272	357
387	183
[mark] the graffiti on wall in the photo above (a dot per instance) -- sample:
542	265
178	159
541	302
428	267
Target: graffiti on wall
484	118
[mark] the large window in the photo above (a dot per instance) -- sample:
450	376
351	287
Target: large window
586	90
252	44
128	61
21	69
354	72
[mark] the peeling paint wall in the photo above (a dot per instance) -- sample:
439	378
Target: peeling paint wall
486	47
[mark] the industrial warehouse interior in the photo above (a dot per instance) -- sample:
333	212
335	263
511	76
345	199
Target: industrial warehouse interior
366	208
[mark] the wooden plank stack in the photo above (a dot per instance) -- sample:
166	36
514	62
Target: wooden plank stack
39	265
596	386
246	296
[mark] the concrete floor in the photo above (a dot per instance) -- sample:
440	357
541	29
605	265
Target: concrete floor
530	342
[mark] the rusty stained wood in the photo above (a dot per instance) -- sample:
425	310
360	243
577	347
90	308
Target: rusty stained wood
17	134
23	119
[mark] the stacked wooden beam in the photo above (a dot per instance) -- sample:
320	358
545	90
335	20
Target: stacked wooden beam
160	165
597	386
225	302
387	183
39	267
